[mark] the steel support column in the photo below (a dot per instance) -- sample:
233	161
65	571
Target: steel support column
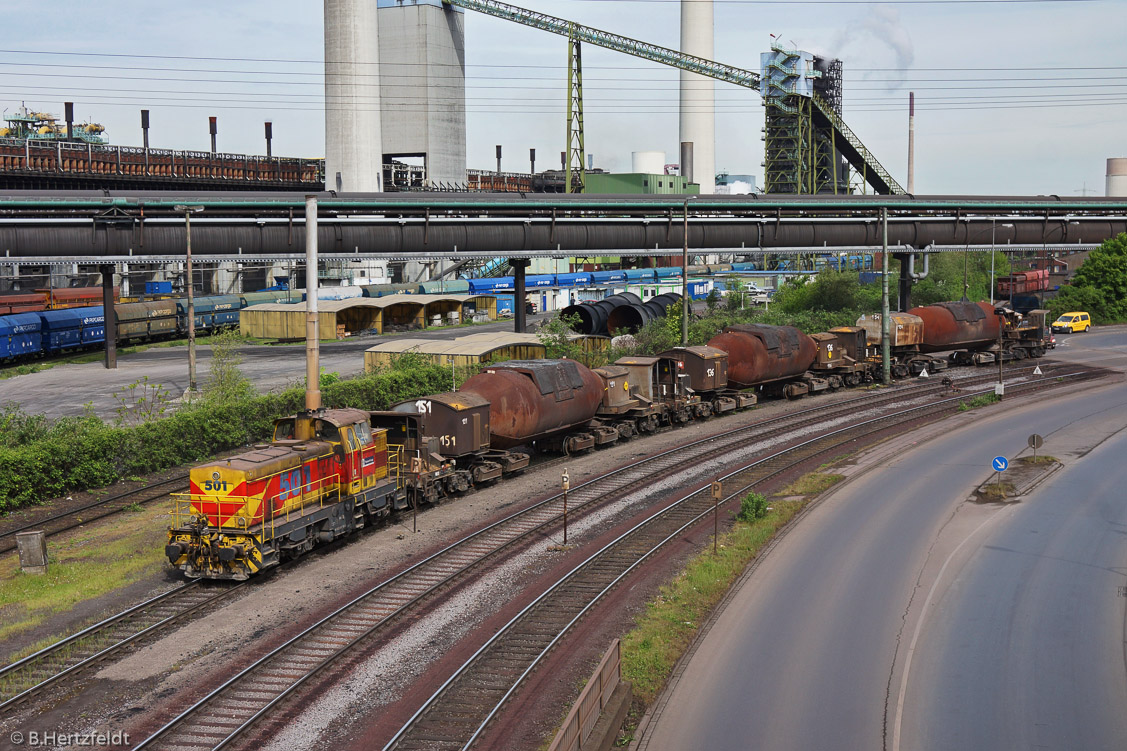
519	265
110	317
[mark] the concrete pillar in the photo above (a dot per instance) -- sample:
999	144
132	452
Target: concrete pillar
227	278
353	137
109	316
905	285
698	97
519	295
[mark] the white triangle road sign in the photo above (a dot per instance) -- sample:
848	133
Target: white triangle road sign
923	373
1037	370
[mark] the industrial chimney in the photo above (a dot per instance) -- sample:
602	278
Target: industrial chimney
698	103
353	142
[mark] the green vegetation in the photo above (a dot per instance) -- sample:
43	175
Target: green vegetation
44	459
670	622
996	491
1042	459
1099	286
753	506
553	334
981	400
946	274
84	566
812	483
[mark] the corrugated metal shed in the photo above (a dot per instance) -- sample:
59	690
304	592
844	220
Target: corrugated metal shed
465	351
358	315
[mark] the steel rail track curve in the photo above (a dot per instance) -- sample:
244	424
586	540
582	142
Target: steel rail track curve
71	518
28	677
475	694
227	713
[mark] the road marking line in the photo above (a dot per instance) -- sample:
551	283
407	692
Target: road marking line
919	628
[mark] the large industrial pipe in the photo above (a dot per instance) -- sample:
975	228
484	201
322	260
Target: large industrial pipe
65	237
698	98
628	318
593	316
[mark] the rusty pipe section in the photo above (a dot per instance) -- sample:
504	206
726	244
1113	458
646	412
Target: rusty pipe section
312	333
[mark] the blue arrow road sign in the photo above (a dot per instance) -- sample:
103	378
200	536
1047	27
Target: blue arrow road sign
1000	463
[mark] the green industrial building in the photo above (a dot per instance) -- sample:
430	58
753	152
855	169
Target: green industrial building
637	182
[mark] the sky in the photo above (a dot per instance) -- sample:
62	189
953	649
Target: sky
1013	97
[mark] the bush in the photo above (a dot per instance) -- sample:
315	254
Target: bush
752	507
41	459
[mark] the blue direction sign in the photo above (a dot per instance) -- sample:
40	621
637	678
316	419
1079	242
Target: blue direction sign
1000	463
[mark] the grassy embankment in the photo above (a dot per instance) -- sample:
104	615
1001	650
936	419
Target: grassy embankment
671	621
84	566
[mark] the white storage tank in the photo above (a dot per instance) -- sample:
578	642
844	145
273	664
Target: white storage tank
1117	177
648	162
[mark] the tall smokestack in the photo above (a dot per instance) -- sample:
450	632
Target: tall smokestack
698	103
353	141
911	142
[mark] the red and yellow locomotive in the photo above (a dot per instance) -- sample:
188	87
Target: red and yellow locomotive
322	477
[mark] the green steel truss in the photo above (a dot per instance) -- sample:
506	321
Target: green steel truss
615	42
802	137
576	178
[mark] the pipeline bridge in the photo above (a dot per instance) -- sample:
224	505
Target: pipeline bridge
93	227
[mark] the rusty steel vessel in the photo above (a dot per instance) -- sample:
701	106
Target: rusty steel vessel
535	399
957	325
758	353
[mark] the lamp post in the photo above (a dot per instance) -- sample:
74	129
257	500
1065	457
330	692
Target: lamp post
685	278
188	211
565	481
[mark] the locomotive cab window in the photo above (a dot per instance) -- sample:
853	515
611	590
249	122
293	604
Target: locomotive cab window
326	431
284	430
364	433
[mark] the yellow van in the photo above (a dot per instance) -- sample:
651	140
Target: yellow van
1072	322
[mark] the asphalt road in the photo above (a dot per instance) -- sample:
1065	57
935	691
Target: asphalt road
1005	631
1025	646
66	389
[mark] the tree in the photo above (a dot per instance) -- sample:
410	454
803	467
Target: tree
555	335
1100	285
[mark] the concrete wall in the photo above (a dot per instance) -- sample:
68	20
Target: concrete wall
423	85
353	155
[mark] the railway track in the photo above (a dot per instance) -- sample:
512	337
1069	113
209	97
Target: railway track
229	712
457	715
26	679
92	511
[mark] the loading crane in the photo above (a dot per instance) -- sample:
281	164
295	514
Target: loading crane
805	135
